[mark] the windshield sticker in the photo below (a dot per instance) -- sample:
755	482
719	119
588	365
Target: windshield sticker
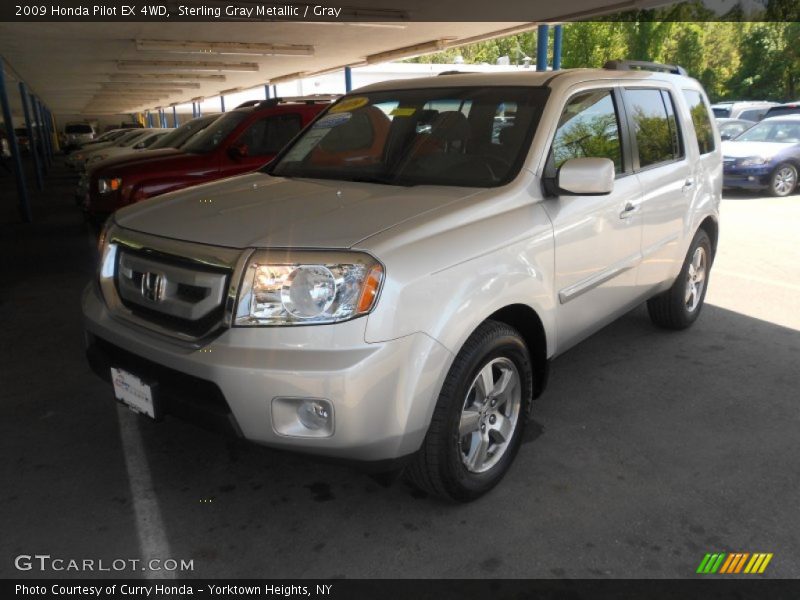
306	144
403	112
329	121
349	104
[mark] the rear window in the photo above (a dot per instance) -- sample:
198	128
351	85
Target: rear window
79	128
701	120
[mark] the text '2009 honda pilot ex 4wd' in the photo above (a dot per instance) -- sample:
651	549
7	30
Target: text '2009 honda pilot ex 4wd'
391	288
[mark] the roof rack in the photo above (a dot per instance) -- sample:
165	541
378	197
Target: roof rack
643	65
312	99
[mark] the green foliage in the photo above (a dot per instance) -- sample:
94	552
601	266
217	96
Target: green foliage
732	59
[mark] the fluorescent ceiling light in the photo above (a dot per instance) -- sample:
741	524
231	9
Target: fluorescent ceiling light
289	77
137	77
113	90
409	51
228	48
150	85
247	67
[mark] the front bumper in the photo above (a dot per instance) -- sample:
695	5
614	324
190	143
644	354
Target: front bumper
382	394
746	177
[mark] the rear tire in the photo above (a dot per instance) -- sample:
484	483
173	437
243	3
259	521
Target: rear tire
480	416
680	305
783	180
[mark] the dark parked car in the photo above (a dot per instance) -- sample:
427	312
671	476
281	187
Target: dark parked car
765	156
239	141
790	108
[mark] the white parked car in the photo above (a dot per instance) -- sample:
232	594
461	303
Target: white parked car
77	160
393	286
143	142
77	134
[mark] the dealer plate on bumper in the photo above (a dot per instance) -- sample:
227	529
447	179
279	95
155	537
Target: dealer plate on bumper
134	393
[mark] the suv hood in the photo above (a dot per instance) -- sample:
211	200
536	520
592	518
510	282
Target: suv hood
258	210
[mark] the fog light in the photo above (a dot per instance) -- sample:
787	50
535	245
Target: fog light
313	414
302	417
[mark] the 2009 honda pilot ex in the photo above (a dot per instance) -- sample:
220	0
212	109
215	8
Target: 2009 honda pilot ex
392	286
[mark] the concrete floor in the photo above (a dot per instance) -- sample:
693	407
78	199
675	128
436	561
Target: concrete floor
648	450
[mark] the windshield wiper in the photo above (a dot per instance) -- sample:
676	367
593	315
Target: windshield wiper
380	179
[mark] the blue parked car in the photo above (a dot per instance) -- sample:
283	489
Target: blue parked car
765	156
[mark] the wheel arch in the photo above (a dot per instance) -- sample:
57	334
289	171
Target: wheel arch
711	226
526	321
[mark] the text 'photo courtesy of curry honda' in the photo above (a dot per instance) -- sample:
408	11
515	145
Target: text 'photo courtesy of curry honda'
392	287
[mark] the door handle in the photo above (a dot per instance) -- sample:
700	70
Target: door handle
629	210
688	184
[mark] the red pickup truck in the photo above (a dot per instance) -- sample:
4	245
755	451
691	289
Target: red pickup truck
240	141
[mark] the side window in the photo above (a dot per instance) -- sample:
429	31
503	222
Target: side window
269	135
654	126
701	120
588	128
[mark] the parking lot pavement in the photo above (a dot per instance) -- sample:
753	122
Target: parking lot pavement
648	450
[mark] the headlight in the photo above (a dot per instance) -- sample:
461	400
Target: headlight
753	161
106	185
301	288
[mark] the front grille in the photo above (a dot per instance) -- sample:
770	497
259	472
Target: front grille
172	292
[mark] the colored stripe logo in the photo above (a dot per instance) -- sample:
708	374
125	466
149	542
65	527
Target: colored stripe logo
729	563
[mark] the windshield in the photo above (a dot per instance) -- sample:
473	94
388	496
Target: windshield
784	132
211	137
78	129
129	135
131	138
181	135
462	136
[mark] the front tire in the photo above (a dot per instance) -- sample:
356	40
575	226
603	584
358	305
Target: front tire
783	180
680	305
477	425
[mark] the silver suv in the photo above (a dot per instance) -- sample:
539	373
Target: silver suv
392	287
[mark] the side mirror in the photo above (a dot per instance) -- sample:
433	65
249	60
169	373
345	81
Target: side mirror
586	176
726	136
140	146
237	151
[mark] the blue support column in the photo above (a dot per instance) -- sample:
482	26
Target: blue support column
19	174
199	110
348	79
274	91
32	136
222	103
163	118
266	91
175	116
542	33
38	111
149	119
48	134
557	42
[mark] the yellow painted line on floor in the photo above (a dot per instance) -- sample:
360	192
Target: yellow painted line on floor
765	563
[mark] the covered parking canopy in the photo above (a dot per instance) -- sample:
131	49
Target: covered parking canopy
89	68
